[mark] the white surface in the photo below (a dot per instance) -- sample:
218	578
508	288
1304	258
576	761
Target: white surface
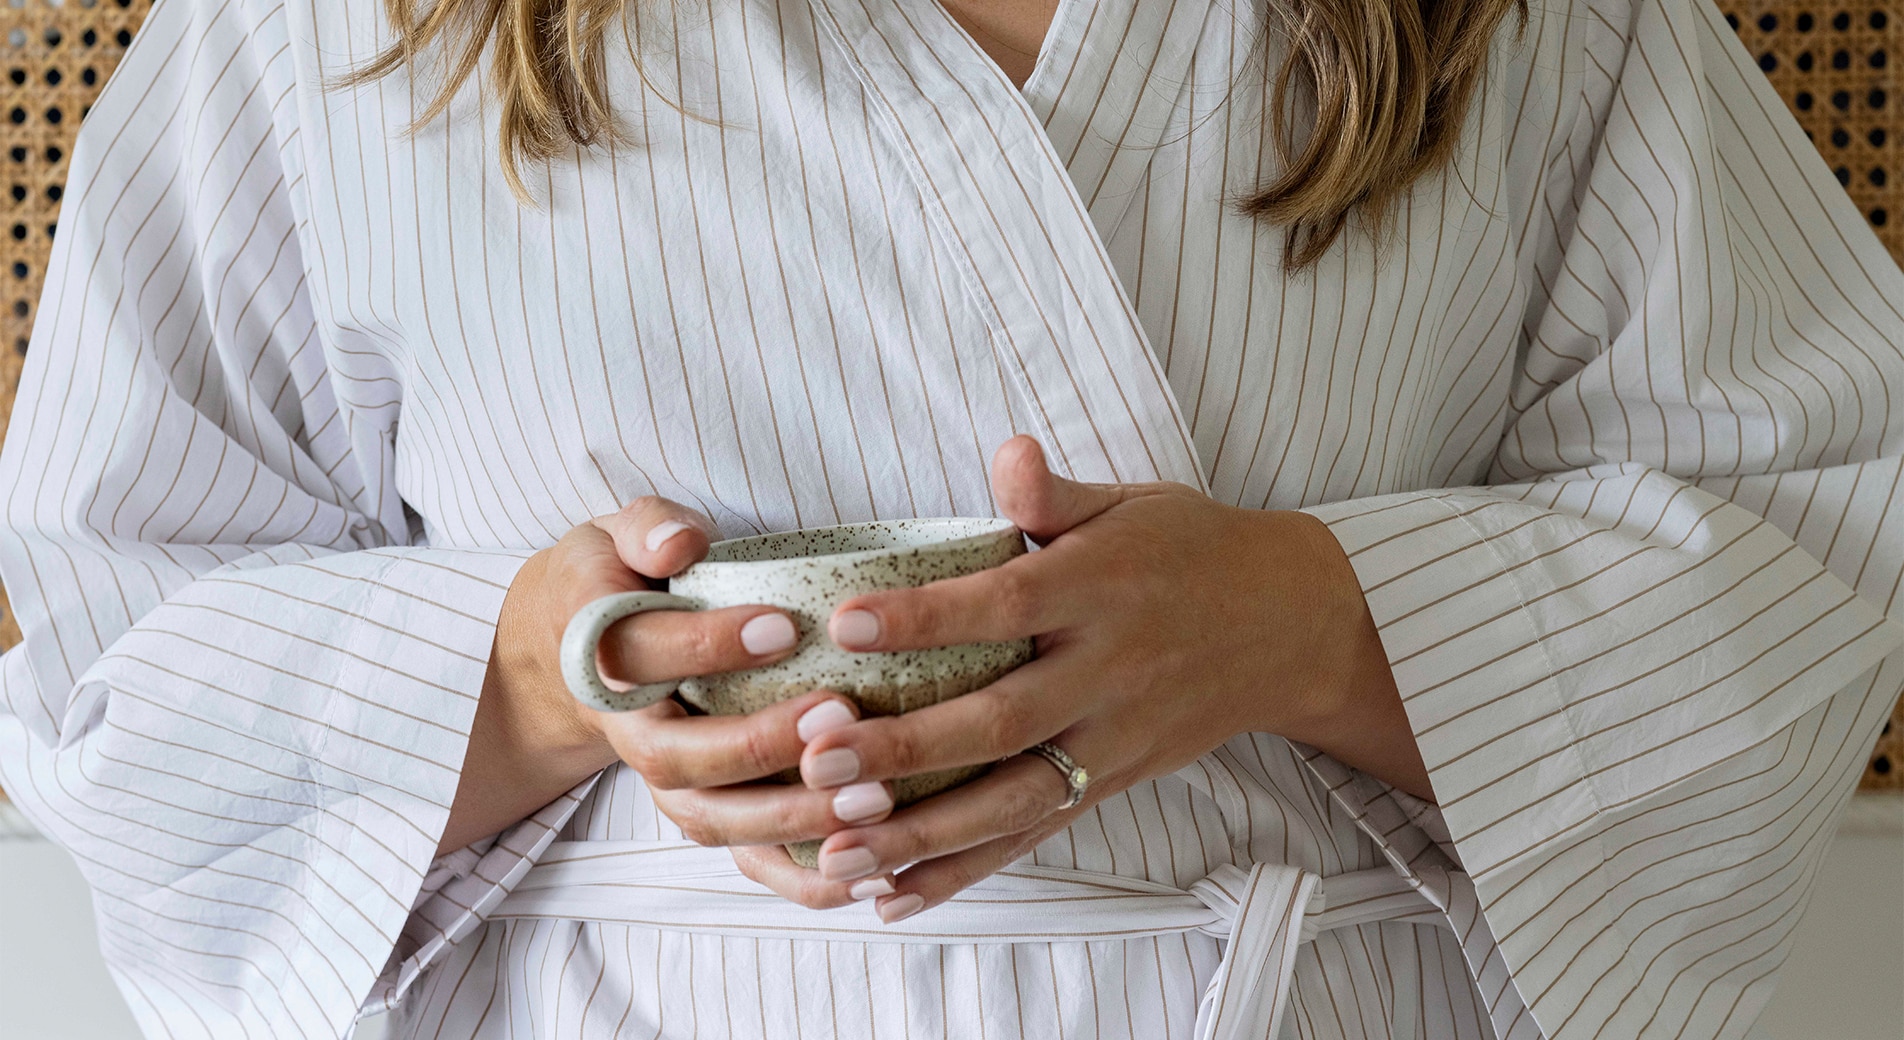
53	986
1845	979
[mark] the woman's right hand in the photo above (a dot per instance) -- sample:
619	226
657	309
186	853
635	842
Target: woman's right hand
532	740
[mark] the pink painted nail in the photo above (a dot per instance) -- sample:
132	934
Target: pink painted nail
856	802
871	888
659	534
768	634
834	768
847	864
824	717
855	628
901	908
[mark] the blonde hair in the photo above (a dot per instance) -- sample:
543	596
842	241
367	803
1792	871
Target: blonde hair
1389	81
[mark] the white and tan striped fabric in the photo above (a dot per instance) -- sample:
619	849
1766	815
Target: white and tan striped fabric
1611	423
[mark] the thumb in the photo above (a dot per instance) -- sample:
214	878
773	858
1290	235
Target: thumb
1043	504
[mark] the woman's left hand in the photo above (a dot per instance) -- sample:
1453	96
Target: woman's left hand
1166	623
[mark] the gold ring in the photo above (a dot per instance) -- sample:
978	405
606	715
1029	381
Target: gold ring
1076	778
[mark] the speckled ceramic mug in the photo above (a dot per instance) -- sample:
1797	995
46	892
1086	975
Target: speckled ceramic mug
807	574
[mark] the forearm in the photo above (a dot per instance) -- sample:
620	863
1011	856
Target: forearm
1353	709
1370	729
521	757
528	744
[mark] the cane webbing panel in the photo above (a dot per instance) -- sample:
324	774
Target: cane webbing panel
1835	64
1837	67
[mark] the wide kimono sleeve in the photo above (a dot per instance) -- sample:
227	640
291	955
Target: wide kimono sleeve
246	685
1645	662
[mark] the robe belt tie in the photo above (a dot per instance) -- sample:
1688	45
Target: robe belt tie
1264	912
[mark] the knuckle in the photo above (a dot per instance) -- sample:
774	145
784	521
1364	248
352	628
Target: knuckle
1007	725
749	867
644	504
905	753
1121	570
567	589
759	750
913	841
1155	671
702	647
1015	600
912	617
815	820
964	876
818	895
1024	805
657	766
640	756
691	817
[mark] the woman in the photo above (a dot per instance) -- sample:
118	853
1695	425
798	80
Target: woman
1467	457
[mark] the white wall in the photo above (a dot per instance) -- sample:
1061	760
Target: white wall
52	983
1845	980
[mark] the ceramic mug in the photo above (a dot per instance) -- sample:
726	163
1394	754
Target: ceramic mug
807	574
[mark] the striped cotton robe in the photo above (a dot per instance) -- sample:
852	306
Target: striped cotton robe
1610	421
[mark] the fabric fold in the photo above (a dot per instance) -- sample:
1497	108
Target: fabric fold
1264	913
247	682
1029	258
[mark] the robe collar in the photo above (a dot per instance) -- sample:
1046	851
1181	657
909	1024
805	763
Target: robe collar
1111	77
1008	212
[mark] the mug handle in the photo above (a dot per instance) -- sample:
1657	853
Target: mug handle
582	641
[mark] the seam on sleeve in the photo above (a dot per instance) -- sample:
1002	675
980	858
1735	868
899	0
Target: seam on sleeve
1552	680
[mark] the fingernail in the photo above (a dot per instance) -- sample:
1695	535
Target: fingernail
857	802
871	888
853	628
824	717
903	907
661	532
768	634
832	768
847	864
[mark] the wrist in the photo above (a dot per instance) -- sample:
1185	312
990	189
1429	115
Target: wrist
1349	706
530	741
1335	662
525	681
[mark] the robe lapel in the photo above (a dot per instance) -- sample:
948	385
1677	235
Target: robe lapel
1110	79
1011	220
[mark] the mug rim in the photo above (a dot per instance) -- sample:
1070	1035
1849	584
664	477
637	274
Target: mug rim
998	526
